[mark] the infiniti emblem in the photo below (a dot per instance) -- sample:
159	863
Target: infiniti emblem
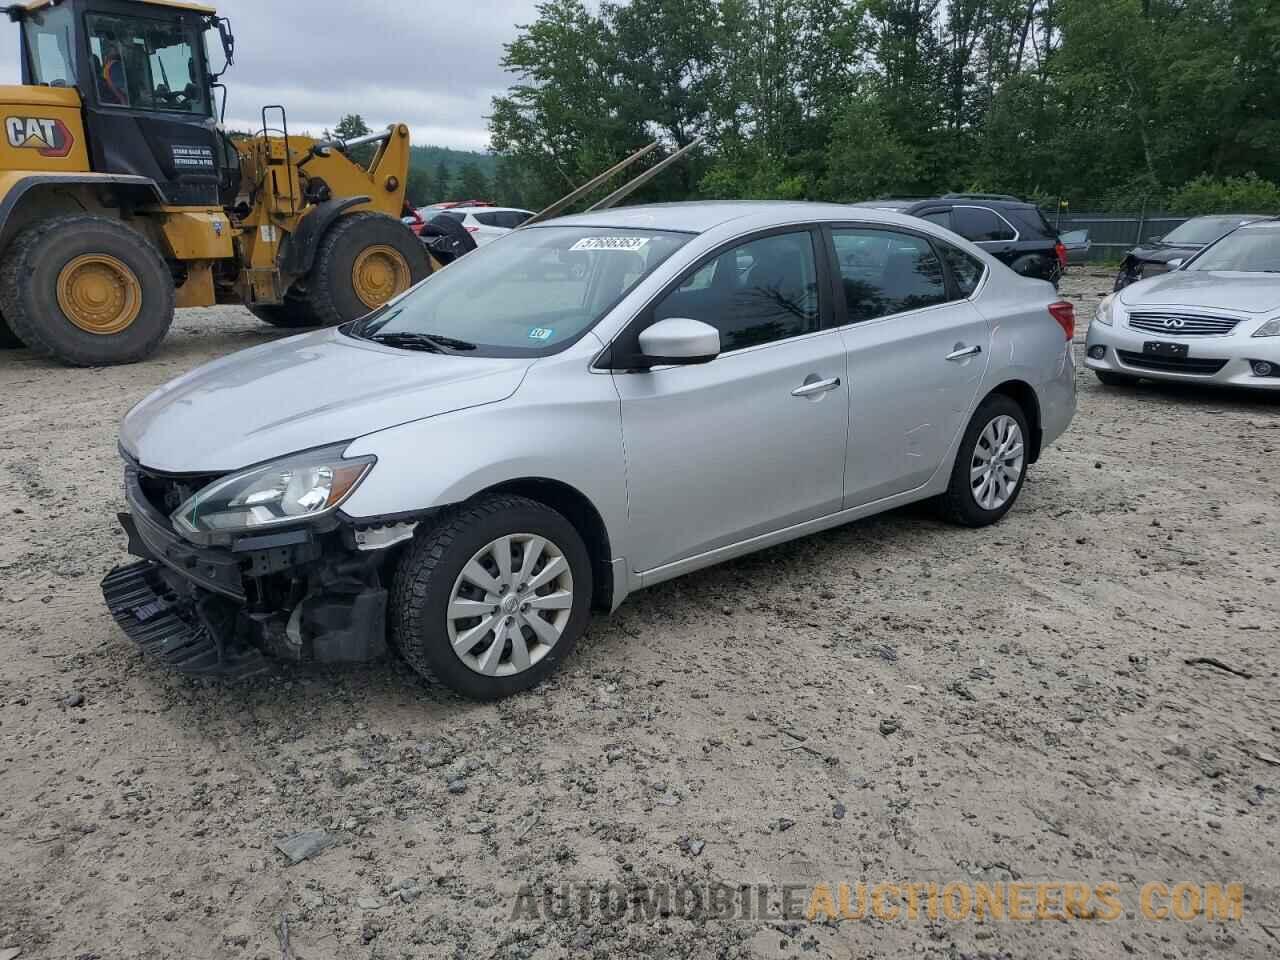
1174	323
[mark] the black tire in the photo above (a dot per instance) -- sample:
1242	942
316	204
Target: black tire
291	315
1115	379
329	295
959	504
426	573
29	290
8	339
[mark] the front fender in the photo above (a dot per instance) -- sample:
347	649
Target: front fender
562	424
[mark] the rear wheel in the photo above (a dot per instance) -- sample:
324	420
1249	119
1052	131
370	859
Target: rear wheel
493	598
1115	379
990	466
87	290
364	260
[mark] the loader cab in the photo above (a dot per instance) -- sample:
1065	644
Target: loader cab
142	71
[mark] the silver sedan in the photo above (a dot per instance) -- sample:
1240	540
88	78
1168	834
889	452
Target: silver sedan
577	411
1214	320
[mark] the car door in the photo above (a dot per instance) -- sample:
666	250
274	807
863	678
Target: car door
753	441
917	350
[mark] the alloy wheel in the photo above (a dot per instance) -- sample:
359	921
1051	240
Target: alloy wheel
997	463
510	605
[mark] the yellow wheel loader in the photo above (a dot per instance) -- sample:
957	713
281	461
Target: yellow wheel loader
121	197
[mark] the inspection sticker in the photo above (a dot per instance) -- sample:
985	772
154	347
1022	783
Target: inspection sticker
610	243
541	333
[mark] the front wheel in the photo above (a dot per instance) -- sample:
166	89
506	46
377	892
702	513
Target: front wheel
364	260
492	599
990	466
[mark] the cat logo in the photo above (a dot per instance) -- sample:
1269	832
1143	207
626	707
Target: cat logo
50	138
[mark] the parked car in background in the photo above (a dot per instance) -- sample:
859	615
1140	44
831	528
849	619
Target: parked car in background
1215	319
1013	231
1076	243
1161	254
499	451
487	224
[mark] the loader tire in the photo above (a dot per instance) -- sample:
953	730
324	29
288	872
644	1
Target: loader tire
86	290
8	339
364	260
290	315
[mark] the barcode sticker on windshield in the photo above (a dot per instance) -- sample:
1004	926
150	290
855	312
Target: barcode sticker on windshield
610	243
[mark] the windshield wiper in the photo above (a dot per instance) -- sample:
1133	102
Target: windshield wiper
421	341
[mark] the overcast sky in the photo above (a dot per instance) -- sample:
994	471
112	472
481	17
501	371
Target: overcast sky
430	63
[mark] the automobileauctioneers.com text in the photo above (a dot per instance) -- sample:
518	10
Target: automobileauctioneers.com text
886	902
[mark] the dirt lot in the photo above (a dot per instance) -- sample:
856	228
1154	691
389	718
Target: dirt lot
895	701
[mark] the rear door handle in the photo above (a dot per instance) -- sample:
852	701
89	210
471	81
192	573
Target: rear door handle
963	353
813	387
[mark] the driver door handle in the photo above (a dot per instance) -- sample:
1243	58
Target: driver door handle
810	388
963	353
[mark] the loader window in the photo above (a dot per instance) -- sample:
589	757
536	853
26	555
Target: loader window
146	64
50	42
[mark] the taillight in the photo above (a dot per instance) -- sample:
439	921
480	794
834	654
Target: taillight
472	229
1061	251
1065	314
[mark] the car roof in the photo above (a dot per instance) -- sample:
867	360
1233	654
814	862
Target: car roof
470	210
700	216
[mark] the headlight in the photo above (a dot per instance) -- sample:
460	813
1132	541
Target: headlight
1103	313
1269	329
295	488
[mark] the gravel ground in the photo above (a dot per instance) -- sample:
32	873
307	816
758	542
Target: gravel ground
898	700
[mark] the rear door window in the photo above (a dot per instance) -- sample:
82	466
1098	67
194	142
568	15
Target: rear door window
884	272
980	225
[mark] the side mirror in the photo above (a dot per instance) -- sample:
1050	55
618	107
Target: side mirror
678	340
1153	239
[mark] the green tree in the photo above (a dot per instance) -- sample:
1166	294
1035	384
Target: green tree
472	183
443	180
420	189
867	158
351	126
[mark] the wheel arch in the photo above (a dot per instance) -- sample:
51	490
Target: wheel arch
578	509
25	199
1023	394
301	246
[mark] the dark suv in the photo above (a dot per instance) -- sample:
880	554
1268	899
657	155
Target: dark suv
1013	231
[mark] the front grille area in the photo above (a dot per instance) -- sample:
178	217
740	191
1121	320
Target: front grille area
1200	366
1182	324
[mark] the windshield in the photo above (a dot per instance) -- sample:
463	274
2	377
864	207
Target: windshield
1202	230
146	64
529	293
1251	249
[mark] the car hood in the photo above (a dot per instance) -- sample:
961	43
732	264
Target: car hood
1217	290
1162	254
299	393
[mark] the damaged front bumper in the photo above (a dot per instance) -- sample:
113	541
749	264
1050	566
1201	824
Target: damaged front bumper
302	594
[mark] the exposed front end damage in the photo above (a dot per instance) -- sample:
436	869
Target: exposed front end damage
309	593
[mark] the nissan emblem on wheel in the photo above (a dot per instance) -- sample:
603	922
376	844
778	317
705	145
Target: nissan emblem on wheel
466	473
